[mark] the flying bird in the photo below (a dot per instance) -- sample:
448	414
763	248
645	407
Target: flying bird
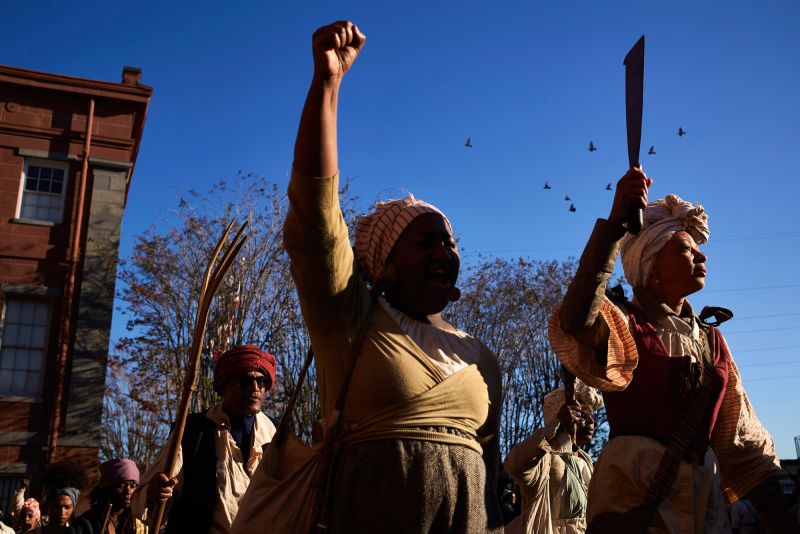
547	185
592	148
608	187
566	197
468	144
572	208
681	132
652	150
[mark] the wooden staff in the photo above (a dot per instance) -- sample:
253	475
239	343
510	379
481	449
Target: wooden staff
105	519
569	396
211	280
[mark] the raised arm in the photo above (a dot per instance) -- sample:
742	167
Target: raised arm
333	299
525	461
579	311
335	48
315	233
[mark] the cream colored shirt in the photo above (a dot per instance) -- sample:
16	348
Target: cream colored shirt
681	335
538	467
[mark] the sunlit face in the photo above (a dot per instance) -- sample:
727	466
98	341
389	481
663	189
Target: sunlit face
679	269
60	510
426	263
244	394
122	493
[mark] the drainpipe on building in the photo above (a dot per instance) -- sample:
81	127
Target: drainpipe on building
69	291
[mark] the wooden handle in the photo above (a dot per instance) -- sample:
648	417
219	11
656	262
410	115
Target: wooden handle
635	220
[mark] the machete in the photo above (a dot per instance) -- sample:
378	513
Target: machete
634	99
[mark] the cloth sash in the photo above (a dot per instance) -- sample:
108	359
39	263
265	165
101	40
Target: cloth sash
290	471
450	403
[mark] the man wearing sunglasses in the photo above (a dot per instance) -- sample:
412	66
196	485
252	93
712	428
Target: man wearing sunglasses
220	450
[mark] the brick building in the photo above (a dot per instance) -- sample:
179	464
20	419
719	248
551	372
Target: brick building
67	151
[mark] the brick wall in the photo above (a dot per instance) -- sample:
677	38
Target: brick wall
45	116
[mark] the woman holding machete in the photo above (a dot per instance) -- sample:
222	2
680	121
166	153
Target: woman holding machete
685	440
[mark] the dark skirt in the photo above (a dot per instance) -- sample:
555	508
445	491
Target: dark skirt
409	486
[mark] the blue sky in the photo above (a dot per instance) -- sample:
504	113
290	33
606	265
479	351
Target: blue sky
530	82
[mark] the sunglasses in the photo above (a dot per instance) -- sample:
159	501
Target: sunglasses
245	381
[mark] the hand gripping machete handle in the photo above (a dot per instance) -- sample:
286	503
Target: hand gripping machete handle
634	100
569	397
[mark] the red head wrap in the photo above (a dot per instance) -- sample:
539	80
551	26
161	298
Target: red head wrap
243	359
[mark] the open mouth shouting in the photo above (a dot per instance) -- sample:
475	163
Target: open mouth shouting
440	277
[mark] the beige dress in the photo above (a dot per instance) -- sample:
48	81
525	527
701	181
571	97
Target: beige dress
422	410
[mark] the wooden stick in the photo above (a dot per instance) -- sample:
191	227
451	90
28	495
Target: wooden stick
105	520
212	277
569	397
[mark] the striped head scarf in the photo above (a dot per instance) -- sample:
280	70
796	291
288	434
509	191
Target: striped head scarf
377	233
662	219
32	505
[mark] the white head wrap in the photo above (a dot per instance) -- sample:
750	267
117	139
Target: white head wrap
377	233
662	219
586	396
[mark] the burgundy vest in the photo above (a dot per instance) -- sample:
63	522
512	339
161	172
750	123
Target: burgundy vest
654	400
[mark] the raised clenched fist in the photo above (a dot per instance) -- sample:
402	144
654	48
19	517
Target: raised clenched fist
336	47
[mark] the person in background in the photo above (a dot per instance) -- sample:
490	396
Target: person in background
60	505
28	516
227	443
6	522
508	502
62	483
19	496
110	511
551	469
744	518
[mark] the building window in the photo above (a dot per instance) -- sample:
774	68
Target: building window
22	347
44	183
